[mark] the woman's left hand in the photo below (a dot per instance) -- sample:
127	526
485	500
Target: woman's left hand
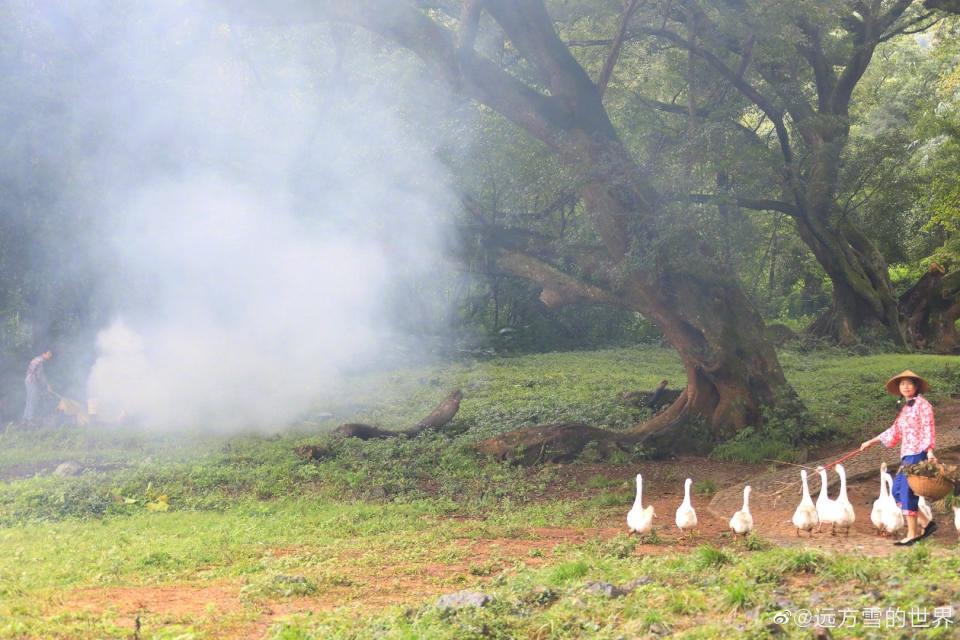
931	457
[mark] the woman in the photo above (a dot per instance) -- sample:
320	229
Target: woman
914	429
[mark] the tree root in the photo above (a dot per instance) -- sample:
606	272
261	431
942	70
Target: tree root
560	442
563	442
438	418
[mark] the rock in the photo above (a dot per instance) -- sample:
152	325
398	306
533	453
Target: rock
780	334
462	599
637	582
821	633
659	629
68	469
542	595
775	630
606	589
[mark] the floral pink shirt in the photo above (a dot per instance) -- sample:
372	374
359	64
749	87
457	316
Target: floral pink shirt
914	429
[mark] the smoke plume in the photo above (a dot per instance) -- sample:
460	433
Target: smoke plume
252	195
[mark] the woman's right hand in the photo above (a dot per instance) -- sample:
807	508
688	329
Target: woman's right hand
867	444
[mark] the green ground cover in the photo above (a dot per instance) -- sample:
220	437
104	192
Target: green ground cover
245	515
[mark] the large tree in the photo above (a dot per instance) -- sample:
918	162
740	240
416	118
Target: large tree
797	65
645	257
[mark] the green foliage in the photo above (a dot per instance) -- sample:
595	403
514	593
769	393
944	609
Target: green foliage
620	546
652	537
756	543
246	509
567	571
853	567
707	557
278	586
129	471
804	561
686	602
704	487
740	594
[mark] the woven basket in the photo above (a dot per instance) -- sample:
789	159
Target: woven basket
930	488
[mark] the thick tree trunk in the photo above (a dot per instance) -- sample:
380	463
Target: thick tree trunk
732	368
733	377
863	297
930	309
733	374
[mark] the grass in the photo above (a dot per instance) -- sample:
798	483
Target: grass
409	519
298	550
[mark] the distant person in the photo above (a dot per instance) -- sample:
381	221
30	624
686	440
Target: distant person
915	430
36	384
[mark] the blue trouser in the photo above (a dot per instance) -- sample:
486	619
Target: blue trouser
32	408
906	499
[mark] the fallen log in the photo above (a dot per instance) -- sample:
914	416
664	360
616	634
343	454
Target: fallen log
438	418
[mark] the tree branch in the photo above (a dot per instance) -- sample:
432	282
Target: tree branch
764	103
615	47
469	23
558	288
823	72
701	112
866	39
530	29
757	204
905	29
465	70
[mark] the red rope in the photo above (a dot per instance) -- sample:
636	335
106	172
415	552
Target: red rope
849	455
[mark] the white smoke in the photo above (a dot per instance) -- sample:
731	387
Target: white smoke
249	313
254	207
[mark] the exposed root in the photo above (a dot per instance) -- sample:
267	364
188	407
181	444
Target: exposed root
438	418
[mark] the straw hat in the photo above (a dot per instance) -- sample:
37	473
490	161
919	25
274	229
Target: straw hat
893	384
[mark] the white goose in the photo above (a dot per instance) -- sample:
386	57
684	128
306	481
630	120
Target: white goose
892	519
876	513
686	516
925	509
845	516
639	519
805	517
742	521
825	506
956	518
